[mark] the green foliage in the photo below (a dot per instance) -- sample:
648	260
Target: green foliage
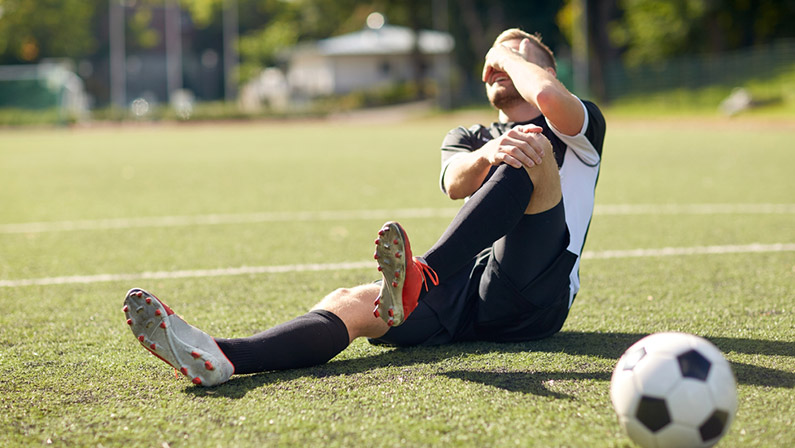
656	29
34	29
653	30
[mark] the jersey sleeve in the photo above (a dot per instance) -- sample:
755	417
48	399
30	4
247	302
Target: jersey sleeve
457	142
586	144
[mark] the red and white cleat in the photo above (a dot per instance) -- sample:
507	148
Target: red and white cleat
183	346
403	275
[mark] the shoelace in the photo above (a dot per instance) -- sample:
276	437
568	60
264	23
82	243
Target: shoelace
426	272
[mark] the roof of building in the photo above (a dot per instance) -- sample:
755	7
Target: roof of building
388	39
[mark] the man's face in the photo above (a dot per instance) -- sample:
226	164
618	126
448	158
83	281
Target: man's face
499	86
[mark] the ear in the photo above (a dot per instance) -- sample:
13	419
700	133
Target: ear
551	71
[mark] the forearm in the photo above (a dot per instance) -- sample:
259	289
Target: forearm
539	87
465	174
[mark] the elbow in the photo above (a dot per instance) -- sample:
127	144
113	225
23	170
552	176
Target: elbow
455	192
456	195
547	100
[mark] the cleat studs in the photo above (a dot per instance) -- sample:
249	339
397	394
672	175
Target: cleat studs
397	274
375	256
197	381
377	241
153	346
139	294
184	371
380	269
394	284
376	313
129	321
381	232
158	313
141	338
390	322
195	355
397	254
391	312
377	301
148	300
126	308
163	325
208	365
396	241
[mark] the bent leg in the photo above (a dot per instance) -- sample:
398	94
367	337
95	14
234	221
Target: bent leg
495	210
488	215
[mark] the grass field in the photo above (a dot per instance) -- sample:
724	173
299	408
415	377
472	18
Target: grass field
89	213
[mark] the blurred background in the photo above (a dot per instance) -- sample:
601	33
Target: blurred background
68	61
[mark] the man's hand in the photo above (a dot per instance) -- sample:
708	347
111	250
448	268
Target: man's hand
521	146
496	56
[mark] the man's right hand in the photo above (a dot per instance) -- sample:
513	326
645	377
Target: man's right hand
521	146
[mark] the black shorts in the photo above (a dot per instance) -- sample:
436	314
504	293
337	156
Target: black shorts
481	302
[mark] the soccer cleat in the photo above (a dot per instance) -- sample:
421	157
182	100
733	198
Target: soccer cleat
183	346
403	275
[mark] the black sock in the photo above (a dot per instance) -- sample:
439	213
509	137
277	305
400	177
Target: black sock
305	341
488	215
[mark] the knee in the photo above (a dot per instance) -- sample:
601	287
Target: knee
339	295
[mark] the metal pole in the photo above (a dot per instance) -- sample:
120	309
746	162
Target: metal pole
118	75
230	23
173	27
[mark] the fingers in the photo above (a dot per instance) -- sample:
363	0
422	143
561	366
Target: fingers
527	153
487	71
529	128
524	48
525	144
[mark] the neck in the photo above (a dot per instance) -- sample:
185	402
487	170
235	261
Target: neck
521	112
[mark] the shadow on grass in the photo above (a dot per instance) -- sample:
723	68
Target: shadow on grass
592	344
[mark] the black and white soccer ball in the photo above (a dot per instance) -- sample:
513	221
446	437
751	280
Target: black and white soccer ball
674	390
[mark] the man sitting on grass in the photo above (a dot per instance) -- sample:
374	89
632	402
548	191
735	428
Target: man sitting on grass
505	269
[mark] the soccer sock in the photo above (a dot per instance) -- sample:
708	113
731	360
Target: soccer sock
489	214
305	341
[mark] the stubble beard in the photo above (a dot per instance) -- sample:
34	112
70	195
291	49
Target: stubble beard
505	98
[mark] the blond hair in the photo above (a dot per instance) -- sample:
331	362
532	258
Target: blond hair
546	57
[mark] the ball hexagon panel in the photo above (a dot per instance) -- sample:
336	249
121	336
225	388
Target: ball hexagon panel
677	435
723	388
623	393
690	402
671	343
639	433
655	375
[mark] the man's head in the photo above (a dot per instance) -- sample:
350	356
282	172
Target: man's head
540	54
499	88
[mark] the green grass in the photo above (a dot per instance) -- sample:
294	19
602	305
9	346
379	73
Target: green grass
73	374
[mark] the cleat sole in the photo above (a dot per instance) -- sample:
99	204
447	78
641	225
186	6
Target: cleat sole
391	263
185	348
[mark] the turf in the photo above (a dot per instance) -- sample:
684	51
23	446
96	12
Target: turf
73	374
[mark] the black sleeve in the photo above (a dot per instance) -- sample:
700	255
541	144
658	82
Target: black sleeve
456	141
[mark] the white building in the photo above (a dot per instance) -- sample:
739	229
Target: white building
367	59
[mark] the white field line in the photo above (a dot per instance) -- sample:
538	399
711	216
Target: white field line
347	215
249	270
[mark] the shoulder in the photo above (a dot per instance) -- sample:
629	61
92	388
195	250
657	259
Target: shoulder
471	138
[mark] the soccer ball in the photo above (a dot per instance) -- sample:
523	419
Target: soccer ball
674	390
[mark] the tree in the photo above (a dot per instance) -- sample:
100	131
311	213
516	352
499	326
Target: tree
31	30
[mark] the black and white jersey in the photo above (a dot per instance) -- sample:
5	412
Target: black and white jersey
578	158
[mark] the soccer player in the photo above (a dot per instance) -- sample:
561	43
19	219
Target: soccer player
505	269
